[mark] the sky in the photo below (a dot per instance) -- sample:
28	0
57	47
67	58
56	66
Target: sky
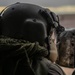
45	3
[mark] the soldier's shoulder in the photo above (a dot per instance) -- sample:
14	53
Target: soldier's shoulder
53	68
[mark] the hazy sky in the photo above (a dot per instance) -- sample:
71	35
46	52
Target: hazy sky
39	2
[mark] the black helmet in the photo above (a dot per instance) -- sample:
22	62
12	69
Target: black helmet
27	21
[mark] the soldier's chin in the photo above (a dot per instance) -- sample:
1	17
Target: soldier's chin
53	56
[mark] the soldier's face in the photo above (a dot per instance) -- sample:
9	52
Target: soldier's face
53	49
54	37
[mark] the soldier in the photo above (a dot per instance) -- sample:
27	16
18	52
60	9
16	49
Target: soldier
25	37
66	53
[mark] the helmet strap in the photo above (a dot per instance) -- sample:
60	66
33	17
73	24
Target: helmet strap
47	41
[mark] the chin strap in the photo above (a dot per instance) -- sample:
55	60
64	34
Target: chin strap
47	40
